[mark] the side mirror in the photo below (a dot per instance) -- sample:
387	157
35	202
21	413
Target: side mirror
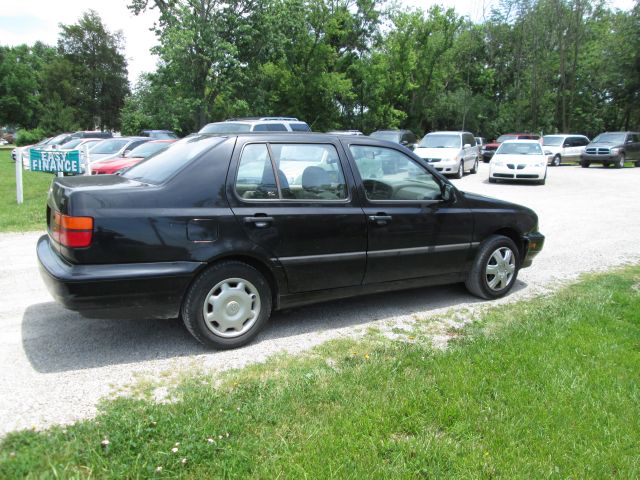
448	193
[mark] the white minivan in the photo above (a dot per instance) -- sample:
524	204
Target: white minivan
563	147
451	153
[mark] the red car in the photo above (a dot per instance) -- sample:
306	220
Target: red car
129	159
490	148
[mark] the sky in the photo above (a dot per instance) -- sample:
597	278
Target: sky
27	21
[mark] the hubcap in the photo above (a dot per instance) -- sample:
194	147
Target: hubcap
231	307
500	268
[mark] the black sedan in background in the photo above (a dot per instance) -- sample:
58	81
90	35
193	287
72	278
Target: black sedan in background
221	230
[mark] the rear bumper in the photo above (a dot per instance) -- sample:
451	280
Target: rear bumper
534	242
141	290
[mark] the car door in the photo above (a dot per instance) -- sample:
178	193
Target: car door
470	152
634	147
305	215
412	231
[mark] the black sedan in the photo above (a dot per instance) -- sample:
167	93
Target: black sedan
222	230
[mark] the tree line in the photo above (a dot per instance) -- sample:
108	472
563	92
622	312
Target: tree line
530	65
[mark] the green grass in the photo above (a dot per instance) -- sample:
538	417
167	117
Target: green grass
31	214
548	388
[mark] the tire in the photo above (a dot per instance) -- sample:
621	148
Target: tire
556	161
244	302
637	164
475	166
492	255
620	162
493	180
460	173
584	164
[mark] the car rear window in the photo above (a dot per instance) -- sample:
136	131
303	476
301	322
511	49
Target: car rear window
159	168
225	127
300	127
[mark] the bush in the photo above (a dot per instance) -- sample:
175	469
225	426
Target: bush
29	137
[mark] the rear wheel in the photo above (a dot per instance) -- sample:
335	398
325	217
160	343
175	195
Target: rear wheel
227	305
556	161
495	268
584	164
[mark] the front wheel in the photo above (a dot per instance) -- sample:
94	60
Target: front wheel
495	268
475	166
460	172
227	305
584	164
621	160
556	161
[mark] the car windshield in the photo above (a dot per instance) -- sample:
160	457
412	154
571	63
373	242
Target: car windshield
390	136
71	143
162	135
225	127
552	140
504	138
147	149
159	168
615	138
58	139
110	146
440	141
519	148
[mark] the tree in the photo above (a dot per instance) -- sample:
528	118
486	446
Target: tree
98	70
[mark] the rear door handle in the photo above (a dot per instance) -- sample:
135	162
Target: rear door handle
259	222
380	219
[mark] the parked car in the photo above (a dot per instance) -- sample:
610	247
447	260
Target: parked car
490	148
3	141
451	153
221	230
404	137
114	147
131	158
256	124
521	160
612	148
27	148
480	142
159	134
80	143
563	146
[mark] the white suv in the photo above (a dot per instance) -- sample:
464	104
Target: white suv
256	124
563	147
451	153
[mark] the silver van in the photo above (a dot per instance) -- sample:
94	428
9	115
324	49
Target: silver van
451	153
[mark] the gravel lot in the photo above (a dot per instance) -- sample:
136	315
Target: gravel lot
55	365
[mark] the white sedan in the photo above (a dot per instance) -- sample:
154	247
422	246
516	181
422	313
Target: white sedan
521	160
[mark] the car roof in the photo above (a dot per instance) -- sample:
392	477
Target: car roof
448	132
527	140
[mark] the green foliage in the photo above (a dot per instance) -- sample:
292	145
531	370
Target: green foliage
29	137
542	388
98	69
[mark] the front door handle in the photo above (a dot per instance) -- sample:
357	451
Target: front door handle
380	219
259	222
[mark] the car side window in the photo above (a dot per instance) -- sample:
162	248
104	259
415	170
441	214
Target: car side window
391	175
309	171
305	172
255	179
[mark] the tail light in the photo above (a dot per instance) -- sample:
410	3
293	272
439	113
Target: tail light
73	232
